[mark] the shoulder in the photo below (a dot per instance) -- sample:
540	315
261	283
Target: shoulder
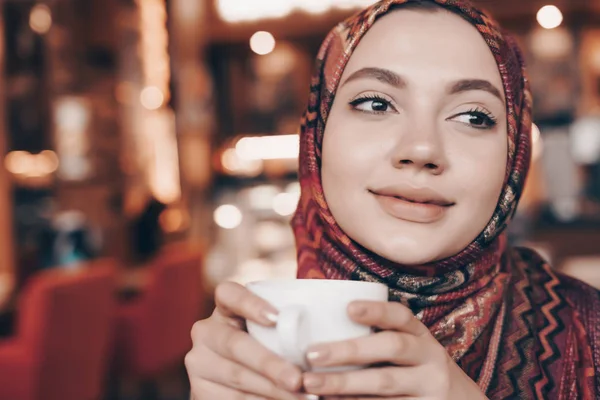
561	311
541	273
572	301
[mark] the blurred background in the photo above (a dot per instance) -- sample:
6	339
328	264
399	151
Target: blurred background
149	151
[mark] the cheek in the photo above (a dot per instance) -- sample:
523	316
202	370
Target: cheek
349	159
349	155
482	172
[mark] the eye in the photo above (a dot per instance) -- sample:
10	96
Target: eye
477	118
372	104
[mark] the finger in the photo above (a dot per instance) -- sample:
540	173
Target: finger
235	301
235	376
387	316
240	347
385	347
390	381
206	390
367	397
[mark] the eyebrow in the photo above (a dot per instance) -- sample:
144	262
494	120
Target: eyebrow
393	79
466	85
382	75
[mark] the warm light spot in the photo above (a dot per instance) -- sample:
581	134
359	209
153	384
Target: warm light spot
172	220
262	43
46	162
253	270
163	161
30	165
261	197
285	204
345	4
535	133
17	162
268	147
585	140
314	6
271	236
235	165
364	3
152	98
228	216
551	43
536	142
549	17
40	19
245	10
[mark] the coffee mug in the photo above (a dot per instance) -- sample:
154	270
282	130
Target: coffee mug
311	311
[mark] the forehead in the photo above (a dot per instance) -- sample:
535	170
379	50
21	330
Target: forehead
440	42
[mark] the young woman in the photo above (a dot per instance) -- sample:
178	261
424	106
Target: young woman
414	153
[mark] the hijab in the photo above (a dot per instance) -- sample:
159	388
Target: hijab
514	325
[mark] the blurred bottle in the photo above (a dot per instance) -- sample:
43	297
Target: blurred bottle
146	232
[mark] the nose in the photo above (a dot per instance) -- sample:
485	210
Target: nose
421	149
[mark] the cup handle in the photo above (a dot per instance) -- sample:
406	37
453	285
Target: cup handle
292	331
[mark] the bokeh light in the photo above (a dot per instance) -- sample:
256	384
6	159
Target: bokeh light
228	216
536	142
262	43
234	165
549	17
285	204
152	98
30	165
244	10
276	147
40	19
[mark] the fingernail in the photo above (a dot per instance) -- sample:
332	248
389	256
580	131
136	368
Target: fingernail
290	379
309	397
270	316
357	309
313	381
317	355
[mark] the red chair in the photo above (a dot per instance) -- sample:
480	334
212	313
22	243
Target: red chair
64	325
153	330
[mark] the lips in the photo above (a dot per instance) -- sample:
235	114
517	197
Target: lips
421	205
429	201
421	195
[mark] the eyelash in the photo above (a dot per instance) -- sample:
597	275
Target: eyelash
370	97
490	120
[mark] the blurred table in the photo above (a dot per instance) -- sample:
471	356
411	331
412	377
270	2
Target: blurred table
132	283
133	278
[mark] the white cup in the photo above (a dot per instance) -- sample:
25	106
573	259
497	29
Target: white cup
311	311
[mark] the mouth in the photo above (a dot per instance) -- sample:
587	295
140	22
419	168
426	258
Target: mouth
435	202
421	205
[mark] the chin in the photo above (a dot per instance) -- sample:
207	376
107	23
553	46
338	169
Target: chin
407	251
411	259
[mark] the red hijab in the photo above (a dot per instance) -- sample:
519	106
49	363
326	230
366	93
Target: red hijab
516	327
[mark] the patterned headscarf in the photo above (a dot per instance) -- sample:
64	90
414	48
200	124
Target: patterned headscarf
498	312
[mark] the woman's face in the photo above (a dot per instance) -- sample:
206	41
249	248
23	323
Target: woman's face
415	146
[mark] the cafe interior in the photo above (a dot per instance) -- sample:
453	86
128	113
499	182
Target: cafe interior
149	151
